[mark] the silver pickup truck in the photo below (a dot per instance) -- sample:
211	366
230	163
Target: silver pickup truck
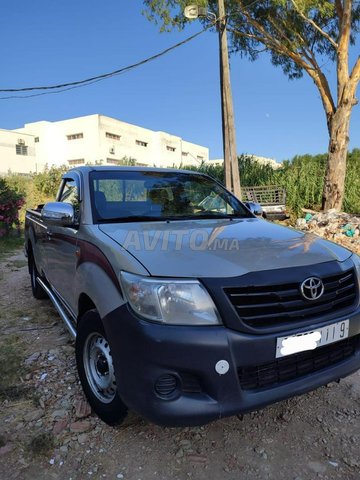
185	306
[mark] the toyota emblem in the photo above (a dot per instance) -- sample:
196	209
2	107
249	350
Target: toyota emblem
312	288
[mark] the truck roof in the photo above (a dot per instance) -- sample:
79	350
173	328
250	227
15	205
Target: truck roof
125	168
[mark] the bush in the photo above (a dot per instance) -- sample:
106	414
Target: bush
10	204
302	177
47	182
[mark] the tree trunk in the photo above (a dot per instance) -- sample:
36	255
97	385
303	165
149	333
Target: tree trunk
334	185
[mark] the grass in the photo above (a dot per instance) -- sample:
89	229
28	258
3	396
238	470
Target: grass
40	444
10	244
11	360
18	263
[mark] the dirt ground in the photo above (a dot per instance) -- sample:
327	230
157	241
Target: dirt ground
48	432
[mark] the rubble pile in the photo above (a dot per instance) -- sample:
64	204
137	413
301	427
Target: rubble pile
342	228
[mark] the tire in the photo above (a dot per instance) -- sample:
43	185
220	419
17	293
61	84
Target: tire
36	289
96	370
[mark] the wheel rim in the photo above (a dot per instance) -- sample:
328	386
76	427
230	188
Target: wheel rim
99	367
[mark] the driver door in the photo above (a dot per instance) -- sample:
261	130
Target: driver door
61	247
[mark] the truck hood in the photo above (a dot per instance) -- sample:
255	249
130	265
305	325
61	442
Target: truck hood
220	248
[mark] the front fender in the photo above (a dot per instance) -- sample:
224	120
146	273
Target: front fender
92	280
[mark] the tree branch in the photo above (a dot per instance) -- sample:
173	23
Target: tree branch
312	69
343	51
339	10
315	25
355	77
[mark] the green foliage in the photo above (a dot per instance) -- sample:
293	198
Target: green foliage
129	161
352	183
302	178
10	362
299	35
48	181
168	14
277	24
10	203
255	173
251	172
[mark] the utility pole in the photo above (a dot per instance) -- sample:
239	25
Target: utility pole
231	168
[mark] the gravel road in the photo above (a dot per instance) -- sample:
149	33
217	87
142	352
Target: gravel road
47	430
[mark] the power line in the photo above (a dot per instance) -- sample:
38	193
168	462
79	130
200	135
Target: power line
88	81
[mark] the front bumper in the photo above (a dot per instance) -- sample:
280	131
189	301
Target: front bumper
144	351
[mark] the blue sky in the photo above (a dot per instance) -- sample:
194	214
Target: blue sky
46	42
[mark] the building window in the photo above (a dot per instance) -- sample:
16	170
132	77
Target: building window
78	161
21	149
75	136
114	161
200	157
36	139
113	136
185	154
142	144
171	149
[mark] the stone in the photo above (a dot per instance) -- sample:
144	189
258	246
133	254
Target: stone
59	413
301	223
82	438
259	450
185	444
82	409
197	458
33	415
6	449
80	427
351	462
60	426
33	357
317	467
179	453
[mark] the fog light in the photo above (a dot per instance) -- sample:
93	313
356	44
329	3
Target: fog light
166	385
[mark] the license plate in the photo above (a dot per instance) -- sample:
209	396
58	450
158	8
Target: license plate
312	339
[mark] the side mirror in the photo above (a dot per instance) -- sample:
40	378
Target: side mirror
58	213
255	208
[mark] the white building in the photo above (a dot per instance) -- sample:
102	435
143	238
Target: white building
262	160
17	152
93	139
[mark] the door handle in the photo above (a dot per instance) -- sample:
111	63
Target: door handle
49	235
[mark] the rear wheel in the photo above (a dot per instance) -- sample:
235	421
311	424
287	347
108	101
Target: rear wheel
36	289
96	370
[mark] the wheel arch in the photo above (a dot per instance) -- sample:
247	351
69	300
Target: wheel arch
85	303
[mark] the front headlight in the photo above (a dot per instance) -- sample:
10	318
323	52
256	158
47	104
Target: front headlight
356	259
176	302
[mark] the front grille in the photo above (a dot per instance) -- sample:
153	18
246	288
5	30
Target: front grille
271	305
295	366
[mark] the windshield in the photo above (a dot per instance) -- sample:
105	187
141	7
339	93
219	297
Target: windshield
139	195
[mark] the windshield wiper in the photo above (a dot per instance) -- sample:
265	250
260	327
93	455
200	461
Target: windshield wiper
167	218
132	218
218	215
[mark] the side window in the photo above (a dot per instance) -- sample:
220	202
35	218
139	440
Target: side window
70	194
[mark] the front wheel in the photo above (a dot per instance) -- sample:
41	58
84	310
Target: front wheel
96	369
